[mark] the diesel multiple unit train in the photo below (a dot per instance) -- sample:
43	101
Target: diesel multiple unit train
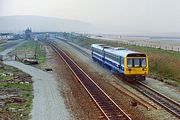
132	65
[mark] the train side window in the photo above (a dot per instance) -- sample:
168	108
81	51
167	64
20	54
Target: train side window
117	59
122	61
130	62
98	51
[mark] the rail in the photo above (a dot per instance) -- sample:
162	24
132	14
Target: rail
166	102
108	107
175	110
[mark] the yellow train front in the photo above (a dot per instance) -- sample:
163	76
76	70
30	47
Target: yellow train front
132	65
136	66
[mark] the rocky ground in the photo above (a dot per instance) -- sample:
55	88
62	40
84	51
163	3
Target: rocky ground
15	93
77	101
103	77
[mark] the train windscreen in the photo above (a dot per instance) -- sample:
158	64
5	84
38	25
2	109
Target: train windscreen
136	55
136	62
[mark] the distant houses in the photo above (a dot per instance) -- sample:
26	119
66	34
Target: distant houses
10	36
6	36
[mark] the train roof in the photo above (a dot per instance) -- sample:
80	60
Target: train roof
119	51
100	46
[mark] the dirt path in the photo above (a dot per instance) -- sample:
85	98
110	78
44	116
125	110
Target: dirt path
47	103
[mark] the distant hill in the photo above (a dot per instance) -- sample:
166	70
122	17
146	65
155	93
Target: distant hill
39	23
52	24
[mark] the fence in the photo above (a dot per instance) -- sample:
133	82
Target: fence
9	58
162	46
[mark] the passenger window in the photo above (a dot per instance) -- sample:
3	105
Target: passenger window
129	62
122	61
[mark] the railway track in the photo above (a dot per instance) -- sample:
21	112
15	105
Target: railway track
164	101
133	96
108	107
77	48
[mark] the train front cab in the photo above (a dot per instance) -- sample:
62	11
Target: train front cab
136	66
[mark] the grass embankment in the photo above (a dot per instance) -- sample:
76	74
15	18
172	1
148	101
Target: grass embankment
29	49
163	65
16	94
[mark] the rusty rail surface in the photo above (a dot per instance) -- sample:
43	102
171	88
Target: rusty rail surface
108	107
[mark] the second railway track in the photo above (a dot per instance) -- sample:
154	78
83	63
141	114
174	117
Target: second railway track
108	107
164	101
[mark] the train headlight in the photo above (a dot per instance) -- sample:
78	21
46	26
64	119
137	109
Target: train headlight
144	69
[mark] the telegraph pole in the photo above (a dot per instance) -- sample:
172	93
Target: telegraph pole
35	48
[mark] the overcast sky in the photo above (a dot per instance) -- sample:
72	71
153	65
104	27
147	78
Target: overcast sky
148	16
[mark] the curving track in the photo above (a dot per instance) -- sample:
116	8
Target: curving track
109	108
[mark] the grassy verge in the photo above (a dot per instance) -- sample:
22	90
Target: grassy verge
16	87
30	49
163	65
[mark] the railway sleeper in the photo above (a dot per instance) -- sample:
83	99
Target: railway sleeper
111	111
100	100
